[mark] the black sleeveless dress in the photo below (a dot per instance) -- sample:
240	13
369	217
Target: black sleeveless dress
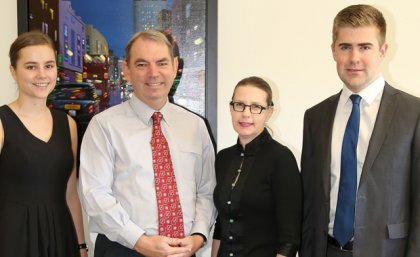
35	220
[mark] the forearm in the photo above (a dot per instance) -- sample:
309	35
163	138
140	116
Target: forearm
73	202
198	241
215	247
76	214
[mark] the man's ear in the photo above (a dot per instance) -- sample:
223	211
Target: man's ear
383	50
333	50
126	71
175	66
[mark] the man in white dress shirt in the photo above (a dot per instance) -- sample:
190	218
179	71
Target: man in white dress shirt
116	171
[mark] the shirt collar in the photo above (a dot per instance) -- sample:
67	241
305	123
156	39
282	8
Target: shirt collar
369	93
252	147
144	112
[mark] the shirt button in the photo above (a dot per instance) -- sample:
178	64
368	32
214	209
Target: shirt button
230	254
231	220
229	202
230	237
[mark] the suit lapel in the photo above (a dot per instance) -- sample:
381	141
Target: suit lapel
328	122
383	120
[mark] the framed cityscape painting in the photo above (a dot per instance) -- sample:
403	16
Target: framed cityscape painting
90	38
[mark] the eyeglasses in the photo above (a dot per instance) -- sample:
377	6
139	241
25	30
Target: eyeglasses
253	108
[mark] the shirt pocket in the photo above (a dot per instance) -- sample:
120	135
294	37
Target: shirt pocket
189	159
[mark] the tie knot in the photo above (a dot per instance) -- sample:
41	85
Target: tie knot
355	99
157	116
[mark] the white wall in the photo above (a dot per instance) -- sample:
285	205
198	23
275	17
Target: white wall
8	19
287	43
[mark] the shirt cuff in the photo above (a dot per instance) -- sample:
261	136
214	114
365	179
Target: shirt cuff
129	235
200	228
287	249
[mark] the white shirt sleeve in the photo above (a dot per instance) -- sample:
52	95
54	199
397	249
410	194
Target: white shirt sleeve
205	210
106	214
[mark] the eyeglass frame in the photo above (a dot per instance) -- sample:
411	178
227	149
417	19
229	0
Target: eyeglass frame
262	108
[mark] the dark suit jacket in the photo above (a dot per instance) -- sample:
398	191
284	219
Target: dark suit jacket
387	217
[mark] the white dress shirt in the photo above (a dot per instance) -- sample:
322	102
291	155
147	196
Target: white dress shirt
369	106
116	172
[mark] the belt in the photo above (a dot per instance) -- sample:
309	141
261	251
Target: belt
347	247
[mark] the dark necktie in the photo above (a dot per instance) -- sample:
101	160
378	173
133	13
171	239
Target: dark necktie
170	218
344	216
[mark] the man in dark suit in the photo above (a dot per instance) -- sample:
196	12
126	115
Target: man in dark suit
361	161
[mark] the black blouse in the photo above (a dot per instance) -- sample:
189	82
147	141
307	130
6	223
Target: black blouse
261	214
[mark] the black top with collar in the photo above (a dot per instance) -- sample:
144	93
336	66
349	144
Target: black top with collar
261	214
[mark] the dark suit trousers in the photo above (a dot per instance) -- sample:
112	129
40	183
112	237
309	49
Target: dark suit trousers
333	251
107	248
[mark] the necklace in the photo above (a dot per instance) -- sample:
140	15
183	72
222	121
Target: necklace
239	172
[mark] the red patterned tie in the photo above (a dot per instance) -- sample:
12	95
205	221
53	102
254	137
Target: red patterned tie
171	223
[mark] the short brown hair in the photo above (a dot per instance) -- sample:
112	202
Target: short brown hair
153	35
359	16
258	83
30	38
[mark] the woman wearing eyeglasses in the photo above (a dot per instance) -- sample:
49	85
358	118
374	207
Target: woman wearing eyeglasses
258	193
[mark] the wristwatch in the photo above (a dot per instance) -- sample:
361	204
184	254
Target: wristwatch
83	246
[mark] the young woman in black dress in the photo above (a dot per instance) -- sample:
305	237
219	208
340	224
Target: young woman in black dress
40	212
258	193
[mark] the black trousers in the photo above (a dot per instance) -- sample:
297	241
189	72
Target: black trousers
107	248
333	251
